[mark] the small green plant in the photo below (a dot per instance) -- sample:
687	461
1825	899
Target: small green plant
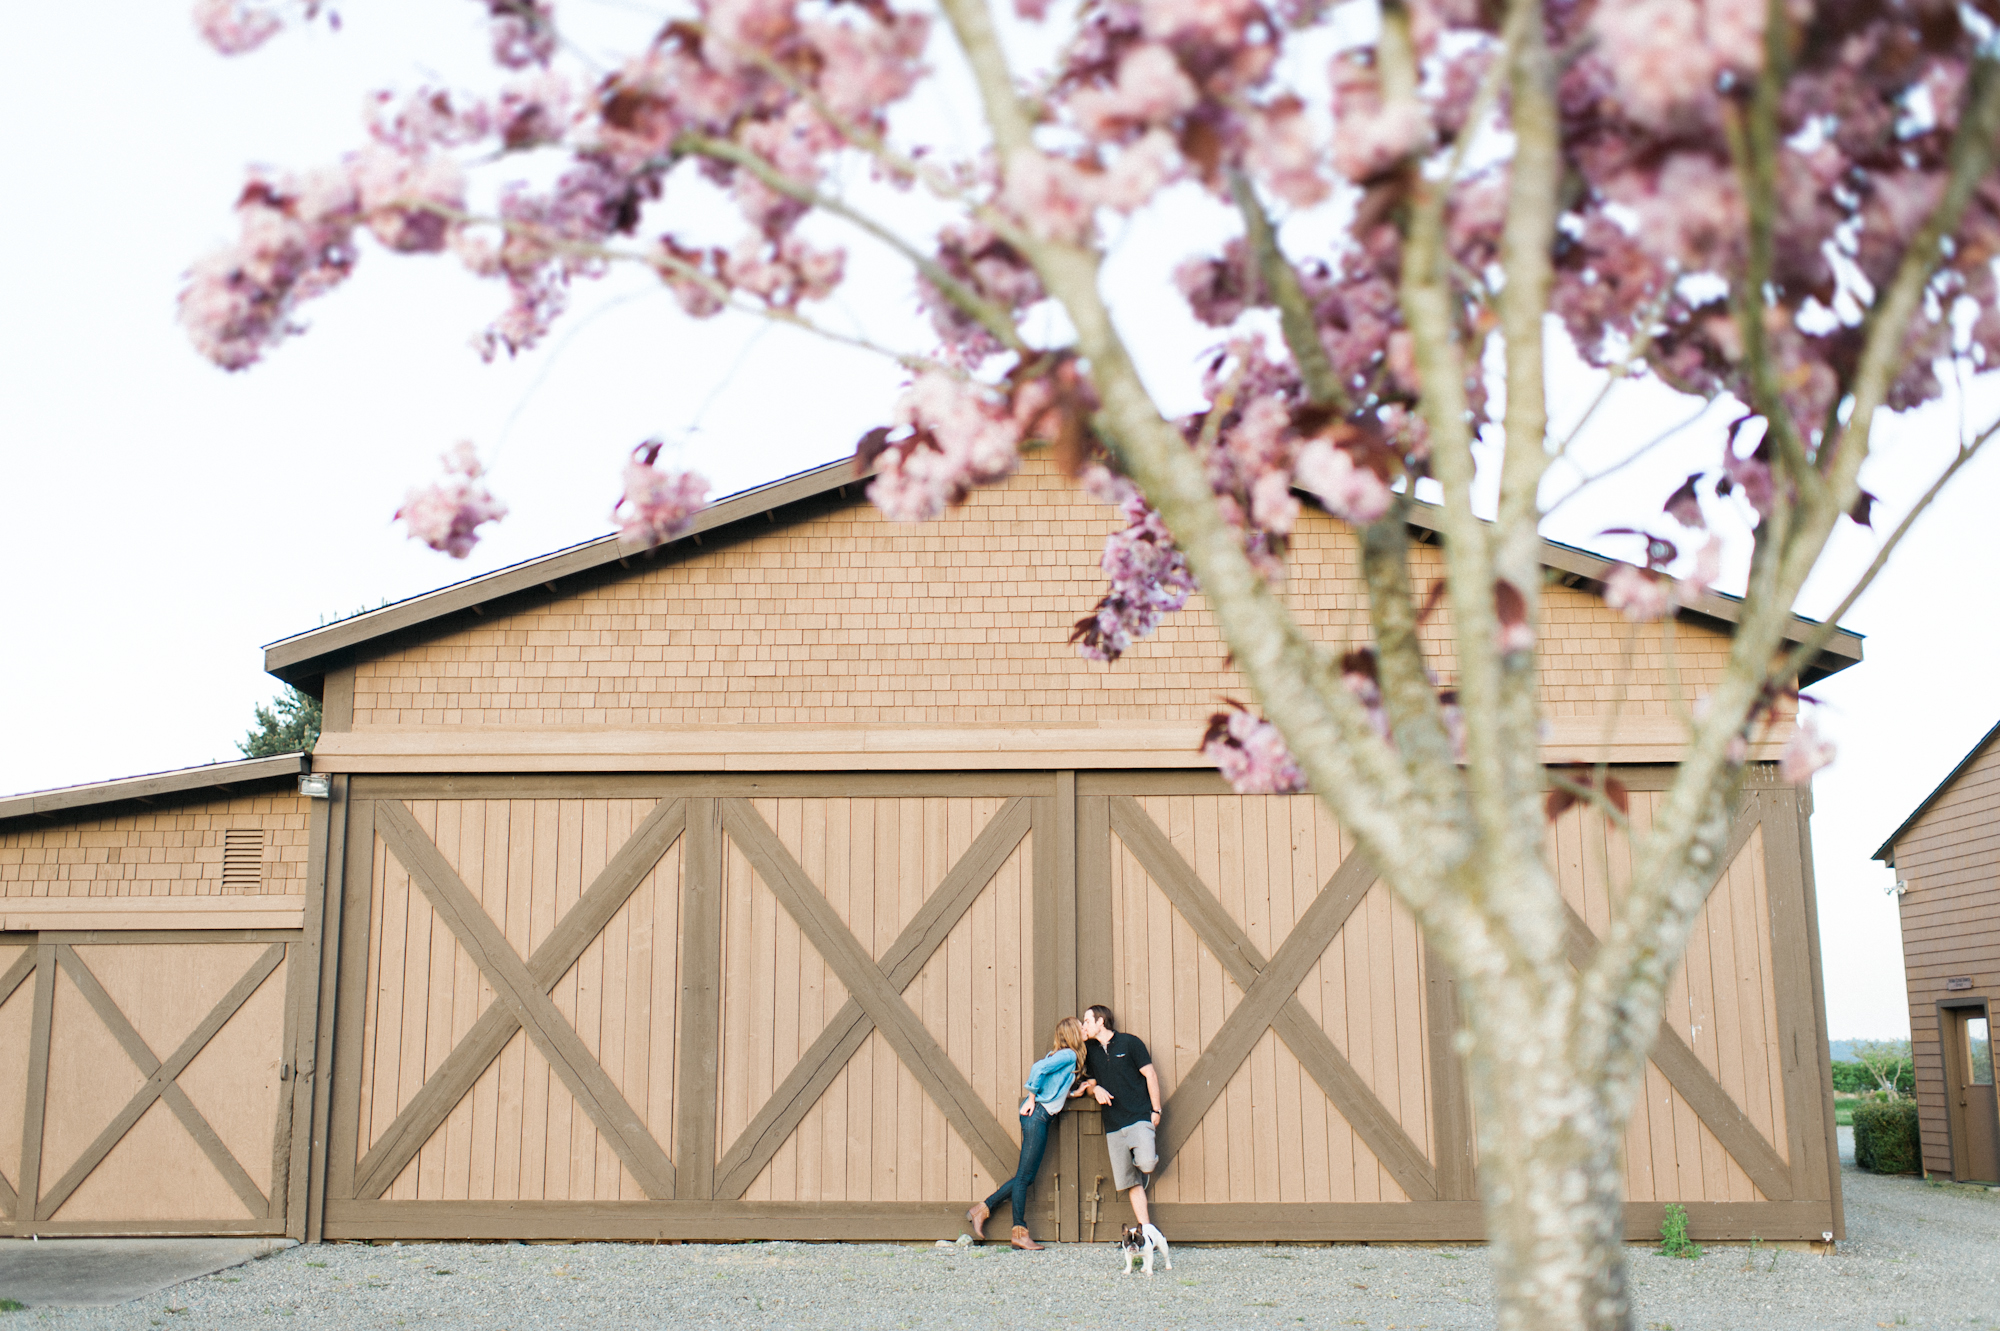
1674	1240
12	1306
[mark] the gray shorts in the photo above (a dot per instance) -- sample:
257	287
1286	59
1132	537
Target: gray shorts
1134	1154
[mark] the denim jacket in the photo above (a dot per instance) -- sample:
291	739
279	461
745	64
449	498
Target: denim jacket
1050	1079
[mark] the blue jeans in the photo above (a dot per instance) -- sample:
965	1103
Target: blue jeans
1034	1141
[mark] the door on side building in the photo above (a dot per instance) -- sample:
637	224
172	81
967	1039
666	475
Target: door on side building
1975	1127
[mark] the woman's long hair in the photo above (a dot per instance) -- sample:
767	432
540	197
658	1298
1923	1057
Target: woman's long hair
1069	1035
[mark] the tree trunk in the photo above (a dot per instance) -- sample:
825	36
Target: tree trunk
1551	1168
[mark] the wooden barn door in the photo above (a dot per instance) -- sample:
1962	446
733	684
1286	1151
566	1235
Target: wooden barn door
1302	1037
801	1006
145	1082
682	1008
1304	1032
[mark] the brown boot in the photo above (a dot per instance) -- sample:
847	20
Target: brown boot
1023	1242
976	1217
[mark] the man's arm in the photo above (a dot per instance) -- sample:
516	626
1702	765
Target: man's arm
1152	1076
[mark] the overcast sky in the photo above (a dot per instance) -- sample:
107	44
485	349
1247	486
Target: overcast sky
160	520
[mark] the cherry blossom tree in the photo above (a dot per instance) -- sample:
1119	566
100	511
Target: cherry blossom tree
1785	208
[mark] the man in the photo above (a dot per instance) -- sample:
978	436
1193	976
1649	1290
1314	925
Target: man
1121	1077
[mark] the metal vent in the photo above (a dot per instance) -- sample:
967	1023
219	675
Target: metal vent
243	860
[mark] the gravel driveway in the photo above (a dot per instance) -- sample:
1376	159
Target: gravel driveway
1918	1255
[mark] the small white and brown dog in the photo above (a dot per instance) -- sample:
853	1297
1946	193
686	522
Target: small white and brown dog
1138	1245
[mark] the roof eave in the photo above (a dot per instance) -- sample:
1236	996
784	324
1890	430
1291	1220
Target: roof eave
225	776
303	659
1887	850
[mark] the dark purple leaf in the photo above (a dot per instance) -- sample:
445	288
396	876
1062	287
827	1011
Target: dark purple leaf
1684	505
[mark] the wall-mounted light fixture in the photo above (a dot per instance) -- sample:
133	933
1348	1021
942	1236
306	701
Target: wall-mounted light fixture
316	785
1897	888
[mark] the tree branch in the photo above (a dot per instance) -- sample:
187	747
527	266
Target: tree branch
1672	865
1349	767
1281	284
1811	645
1971	157
990	316
1408	693
1428	309
1526	257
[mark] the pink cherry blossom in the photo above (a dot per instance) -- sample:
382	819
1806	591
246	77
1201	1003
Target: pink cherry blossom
1805	752
1286	154
961	436
1251	754
1049	195
1368	136
869	65
1752	475
1219	290
1149	575
1690	208
234	27
1658	54
405	199
1358	675
296	243
535	110
737	28
1701	577
1139	172
1151	90
1219	22
1349	492
524	32
446	515
1642	595
658	504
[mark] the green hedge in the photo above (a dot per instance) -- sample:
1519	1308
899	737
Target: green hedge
1885	1138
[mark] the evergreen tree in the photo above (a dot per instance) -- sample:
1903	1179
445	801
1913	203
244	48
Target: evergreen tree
289	725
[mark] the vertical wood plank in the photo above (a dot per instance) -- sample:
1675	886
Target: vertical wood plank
523	1071
278	1208
700	1000
319	968
1798	1040
27	1208
1830	1147
482	1169
1054	962
349	965
1451	1121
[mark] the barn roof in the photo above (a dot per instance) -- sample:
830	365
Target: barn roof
304	658
184	782
1886	852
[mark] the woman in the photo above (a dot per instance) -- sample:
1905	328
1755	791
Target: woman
1049	1083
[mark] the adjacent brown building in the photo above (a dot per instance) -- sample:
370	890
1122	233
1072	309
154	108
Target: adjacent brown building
727	889
1947	861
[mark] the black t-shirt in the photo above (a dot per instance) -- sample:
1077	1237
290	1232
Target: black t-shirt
1116	1069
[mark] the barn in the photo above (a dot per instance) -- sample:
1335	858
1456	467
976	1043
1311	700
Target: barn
724	890
1947	861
